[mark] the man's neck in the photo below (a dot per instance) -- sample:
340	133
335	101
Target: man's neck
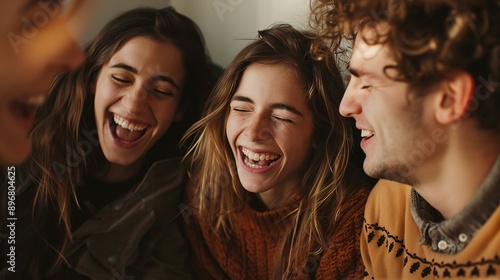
449	182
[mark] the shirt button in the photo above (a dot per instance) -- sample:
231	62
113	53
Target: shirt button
462	237
442	245
118	207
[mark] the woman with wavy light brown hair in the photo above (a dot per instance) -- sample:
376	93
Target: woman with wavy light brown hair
425	93
272	193
103	174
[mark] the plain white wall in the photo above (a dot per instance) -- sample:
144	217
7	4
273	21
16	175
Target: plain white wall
227	25
106	10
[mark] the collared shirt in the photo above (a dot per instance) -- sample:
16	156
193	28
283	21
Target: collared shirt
452	235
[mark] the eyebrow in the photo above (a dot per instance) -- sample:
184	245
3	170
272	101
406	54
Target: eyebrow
162	78
280	106
366	75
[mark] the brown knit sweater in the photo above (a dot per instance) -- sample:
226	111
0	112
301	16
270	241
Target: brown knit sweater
250	252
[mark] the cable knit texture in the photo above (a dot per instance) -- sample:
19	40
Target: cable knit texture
251	250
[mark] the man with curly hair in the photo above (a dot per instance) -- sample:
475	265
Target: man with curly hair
425	93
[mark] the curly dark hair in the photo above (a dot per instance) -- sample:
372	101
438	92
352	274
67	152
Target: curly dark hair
430	41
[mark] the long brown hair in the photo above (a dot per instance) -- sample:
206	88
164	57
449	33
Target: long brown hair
64	137
324	186
430	40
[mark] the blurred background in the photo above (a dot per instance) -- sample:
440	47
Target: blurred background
227	25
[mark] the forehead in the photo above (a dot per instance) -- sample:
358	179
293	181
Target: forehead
160	60
268	78
269	85
370	59
143	51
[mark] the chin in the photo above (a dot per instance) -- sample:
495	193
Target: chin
376	171
121	161
254	188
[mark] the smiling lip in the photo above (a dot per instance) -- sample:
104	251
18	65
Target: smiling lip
366	133
273	158
22	110
22	113
116	140
365	141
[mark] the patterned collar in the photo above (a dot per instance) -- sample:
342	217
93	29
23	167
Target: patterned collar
452	235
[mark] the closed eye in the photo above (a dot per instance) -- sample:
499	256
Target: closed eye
237	109
162	92
119	80
165	93
282	119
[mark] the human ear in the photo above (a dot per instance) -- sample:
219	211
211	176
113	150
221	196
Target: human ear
454	98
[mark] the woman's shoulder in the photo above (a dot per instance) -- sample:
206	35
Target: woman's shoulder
352	207
161	168
161	176
163	184
359	191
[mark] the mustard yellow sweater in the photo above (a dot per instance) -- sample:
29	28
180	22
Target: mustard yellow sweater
390	243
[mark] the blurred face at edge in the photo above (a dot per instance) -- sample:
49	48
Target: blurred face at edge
37	42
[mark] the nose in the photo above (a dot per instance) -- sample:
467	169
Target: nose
257	129
349	106
134	99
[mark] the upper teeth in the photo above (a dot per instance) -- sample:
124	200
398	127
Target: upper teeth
366	133
127	124
258	156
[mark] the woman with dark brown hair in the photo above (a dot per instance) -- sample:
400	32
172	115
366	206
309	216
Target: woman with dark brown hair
103	173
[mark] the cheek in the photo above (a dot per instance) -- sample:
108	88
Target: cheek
103	100
298	144
8	57
232	127
103	93
165	114
18	75
231	136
